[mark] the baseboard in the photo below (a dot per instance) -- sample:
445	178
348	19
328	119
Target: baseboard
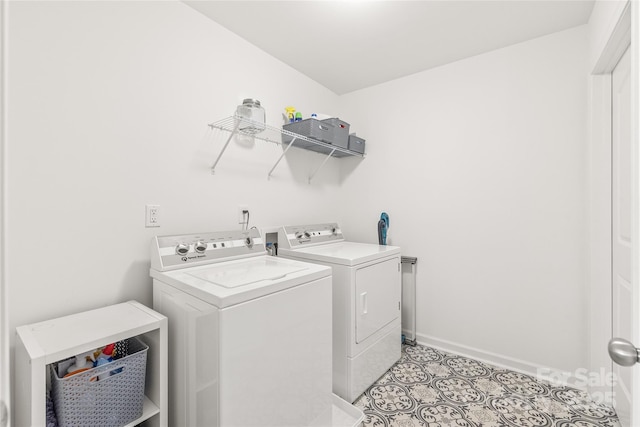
543	373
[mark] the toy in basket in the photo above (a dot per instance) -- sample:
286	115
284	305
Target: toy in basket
109	395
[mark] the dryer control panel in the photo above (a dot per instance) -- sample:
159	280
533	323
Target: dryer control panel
187	250
295	236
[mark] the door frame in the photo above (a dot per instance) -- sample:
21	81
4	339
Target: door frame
635	147
624	33
5	372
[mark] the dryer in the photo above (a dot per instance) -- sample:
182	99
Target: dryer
366	301
249	334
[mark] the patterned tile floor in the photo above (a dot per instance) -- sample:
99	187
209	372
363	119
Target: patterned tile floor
431	388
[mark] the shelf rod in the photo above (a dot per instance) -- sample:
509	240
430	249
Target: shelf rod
281	156
320	167
235	129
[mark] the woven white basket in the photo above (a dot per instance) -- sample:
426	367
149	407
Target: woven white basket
82	400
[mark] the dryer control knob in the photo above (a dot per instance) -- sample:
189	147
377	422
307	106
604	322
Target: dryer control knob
200	247
182	249
249	242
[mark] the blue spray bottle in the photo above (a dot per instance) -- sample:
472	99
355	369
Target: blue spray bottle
383	226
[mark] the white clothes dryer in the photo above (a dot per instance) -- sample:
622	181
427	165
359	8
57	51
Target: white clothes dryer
249	334
366	301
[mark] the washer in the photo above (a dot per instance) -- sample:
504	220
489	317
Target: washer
249	334
366	301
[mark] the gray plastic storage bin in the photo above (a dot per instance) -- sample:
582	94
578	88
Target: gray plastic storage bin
330	131
84	400
356	144
340	132
311	128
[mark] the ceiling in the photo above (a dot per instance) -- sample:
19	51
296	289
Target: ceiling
353	44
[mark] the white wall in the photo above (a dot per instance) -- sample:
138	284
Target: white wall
481	167
108	109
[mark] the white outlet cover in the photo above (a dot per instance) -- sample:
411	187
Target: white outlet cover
152	216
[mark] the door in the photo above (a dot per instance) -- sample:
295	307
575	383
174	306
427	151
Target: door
377	297
622	232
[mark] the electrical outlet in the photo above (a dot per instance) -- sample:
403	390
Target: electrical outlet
152	216
242	217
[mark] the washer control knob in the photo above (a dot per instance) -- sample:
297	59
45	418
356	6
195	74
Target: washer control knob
248	242
334	231
182	249
303	236
200	246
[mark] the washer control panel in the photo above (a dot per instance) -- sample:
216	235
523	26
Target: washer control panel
170	252
294	236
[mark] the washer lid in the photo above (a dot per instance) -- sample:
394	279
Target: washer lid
343	253
228	283
246	273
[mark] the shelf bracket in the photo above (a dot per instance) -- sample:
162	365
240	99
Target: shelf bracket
281	156
321	165
235	130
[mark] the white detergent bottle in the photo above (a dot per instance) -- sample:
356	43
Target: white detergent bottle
81	365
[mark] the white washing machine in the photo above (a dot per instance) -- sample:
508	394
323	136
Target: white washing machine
366	301
249	334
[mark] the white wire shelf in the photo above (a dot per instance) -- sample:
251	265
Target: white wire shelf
275	135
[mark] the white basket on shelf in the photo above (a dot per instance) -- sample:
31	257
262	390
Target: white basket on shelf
85	400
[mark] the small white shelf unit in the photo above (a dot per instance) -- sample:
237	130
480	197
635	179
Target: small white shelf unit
274	135
40	344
